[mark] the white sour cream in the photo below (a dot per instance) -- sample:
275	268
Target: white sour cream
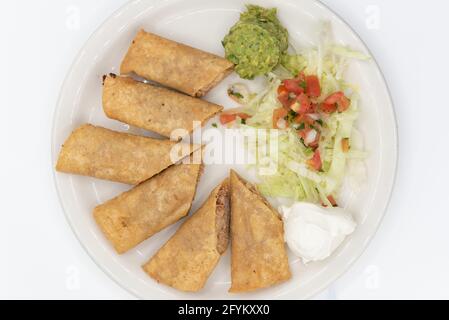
314	233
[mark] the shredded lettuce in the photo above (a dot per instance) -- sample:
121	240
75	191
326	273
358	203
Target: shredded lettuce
294	63
293	178
347	52
261	106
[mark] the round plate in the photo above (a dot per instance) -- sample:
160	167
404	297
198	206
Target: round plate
203	24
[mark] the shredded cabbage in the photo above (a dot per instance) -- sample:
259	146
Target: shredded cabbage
261	106
293	178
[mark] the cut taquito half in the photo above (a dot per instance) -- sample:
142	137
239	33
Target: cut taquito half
259	256
116	156
187	260
174	65
148	208
154	108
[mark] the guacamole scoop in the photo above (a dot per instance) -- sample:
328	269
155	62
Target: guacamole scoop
252	49
267	19
256	43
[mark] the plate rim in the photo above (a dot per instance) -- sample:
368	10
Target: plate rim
331	280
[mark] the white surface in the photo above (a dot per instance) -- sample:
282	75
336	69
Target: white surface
41	257
81	102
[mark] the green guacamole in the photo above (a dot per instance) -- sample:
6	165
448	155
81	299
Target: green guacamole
267	19
252	49
256	43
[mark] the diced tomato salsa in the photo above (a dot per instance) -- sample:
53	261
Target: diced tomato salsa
226	118
301	108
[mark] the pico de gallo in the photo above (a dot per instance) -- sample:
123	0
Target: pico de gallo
303	110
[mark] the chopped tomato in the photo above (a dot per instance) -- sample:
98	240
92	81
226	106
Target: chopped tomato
315	162
282	90
343	104
243	116
334	98
337	100
304	103
278	114
227	118
292	85
299	119
313	88
303	133
345	145
230	117
332	201
304	118
313	108
285	100
328	108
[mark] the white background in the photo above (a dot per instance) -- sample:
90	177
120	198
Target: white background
40	257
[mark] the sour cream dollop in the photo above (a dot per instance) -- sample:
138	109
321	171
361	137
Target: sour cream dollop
314	233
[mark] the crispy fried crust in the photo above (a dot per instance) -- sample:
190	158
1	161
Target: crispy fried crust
186	261
174	65
153	108
110	155
150	207
259	256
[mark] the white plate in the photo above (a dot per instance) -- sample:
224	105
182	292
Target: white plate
203	24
